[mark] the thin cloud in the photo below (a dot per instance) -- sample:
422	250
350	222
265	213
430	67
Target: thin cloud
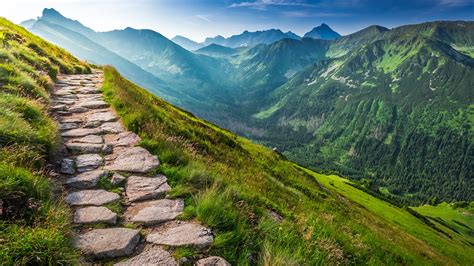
304	14
455	3
263	4
204	18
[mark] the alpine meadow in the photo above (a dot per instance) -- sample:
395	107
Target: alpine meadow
230	132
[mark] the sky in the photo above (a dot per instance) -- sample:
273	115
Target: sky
198	19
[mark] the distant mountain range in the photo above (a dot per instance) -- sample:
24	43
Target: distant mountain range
390	106
250	39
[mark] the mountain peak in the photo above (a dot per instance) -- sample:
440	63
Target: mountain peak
322	31
51	12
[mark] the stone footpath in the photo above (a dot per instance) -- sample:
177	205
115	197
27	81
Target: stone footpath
98	149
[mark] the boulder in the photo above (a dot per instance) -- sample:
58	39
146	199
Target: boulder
108	243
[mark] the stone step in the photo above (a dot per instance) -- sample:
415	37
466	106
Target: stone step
152	256
97	104
93	214
108	243
96	197
112	127
106	116
140	188
81	132
125	139
86	180
88	162
135	160
154	212
80	148
93	139
178	234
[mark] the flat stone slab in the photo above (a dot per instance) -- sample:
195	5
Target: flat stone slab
143	188
125	139
212	261
94	214
135	160
182	234
112	127
86	180
155	212
108	243
81	132
68	126
88	148
102	117
152	256
94	139
78	109
87	162
97	104
71	120
96	197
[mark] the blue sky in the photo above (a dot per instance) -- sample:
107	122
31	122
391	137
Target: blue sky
198	19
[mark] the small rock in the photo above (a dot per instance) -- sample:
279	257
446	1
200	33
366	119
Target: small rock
94	214
87	162
155	212
143	188
117	179
91	197
86	180
184	234
135	160
67	166
212	261
153	256
108	243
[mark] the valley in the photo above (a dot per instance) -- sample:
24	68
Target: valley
360	105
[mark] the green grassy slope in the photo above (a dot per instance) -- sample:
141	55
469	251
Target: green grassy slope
457	219
33	223
262	208
432	233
